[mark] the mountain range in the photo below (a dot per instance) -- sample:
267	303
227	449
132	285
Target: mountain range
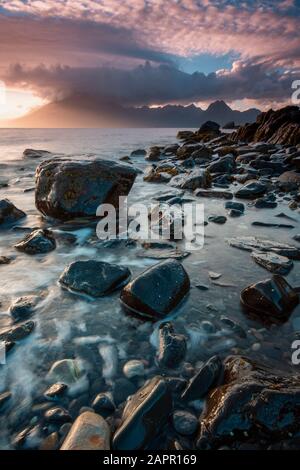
82	111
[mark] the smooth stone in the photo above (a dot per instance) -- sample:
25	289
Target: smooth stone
157	291
138	152
196	179
104	403
17	333
23	307
172	347
222	165
57	415
185	423
213	193
205	380
272	262
202	286
66	371
51	442
144	416
233	326
31	153
235	213
94	278
68	188
262	245
265	203
217	219
238	206
55	391
251	190
134	368
89	432
122	389
9	213
39	241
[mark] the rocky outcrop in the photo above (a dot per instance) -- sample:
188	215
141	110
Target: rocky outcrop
89	432
157	291
70	188
276	127
253	402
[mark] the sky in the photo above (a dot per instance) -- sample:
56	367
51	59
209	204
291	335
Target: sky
149	52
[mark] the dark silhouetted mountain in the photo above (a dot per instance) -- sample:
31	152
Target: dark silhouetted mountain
87	111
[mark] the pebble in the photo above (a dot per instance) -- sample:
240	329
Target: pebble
185	423
134	368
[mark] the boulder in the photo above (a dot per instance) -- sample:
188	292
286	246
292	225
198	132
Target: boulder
9	214
89	432
144	416
172	347
251	190
94	278
70	188
254	402
37	242
157	291
210	126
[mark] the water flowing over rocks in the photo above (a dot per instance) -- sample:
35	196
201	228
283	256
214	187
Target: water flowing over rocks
89	432
157	291
67	189
94	278
144	416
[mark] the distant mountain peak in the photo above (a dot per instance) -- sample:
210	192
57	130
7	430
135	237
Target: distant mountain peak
218	106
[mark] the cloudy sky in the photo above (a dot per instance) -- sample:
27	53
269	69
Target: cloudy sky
152	52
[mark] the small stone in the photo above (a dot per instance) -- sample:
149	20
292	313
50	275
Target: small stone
134	368
51	442
104	403
57	415
9	214
66	371
214	275
55	391
138	152
217	219
23	307
89	432
37	242
185	423
172	347
5	260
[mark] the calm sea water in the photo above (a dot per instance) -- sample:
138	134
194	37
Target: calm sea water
69	326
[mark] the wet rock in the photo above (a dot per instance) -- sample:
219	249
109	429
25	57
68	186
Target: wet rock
122	389
196	179
229	125
39	241
144	416
185	423
157	291
31	153
235	213
210	126
57	415
17	333
170	149
103	404
271	224
213	193
5	260
66	371
23	307
265	203
223	165
205	380
202	152
270	301
134	368
68	189
51	442
202	286
217	219
138	152
89	432
251	190
239	206
289	177
154	154
233	326
254	401
172	347
55	391
9	214
94	278
262	245
4	398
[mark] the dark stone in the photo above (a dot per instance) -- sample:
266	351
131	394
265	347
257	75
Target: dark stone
37	242
270	224
217	219
213	193
144	416
196	179
23	307
94	278
104	404
235	213
122	389
172	347
157	291
138	152
185	423
233	326
31	153
251	190
210	126
253	401
9	214
17	333
55	391
222	165
265	203
205	380
5	260
68	189
57	415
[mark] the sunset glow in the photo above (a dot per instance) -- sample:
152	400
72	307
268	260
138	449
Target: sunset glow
17	103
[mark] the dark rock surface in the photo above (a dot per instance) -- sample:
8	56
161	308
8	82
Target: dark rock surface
67	189
9	214
172	347
38	242
251	190
205	379
157	291
23	307
94	278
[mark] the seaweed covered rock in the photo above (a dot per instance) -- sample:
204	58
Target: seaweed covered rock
70	188
253	402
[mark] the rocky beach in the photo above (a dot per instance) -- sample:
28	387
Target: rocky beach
130	344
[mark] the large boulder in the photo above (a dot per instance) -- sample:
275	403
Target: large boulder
94	278
70	188
144	416
254	402
276	127
89	432
157	291
9	214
